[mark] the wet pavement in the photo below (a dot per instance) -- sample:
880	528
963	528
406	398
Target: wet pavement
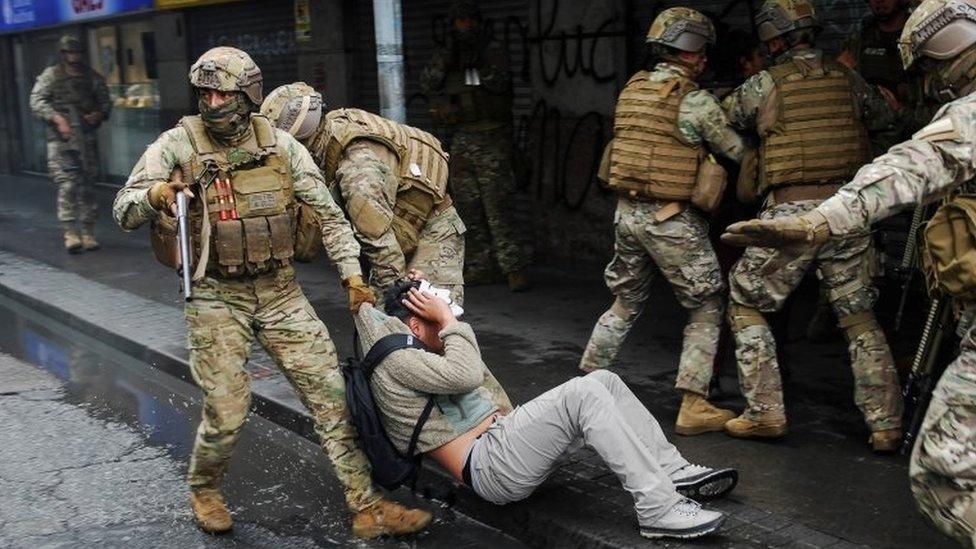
94	447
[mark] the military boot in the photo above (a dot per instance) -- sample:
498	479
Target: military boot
697	415
88	238
518	281
743	427
210	511
885	441
72	242
387	517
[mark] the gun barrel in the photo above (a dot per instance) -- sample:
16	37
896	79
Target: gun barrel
184	244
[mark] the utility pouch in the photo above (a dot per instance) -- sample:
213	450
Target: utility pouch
282	243
709	185
162	236
308	234
949	254
257	242
747	185
230	246
258	192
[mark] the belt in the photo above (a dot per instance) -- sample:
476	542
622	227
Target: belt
796	193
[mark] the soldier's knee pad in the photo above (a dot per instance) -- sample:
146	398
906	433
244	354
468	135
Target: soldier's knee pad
741	317
624	309
858	323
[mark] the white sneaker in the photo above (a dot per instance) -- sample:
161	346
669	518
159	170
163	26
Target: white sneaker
700	482
686	519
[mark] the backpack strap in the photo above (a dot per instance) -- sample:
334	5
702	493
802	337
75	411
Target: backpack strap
385	346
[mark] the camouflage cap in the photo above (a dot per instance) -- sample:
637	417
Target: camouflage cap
681	28
938	29
228	69
296	108
778	17
464	9
70	43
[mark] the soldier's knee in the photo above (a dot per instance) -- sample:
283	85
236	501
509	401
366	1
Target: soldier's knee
625	309
588	390
605	377
857	324
741	317
226	414
710	312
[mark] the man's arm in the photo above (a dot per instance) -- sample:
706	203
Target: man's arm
743	104
369	190
701	118
131	208
40	97
309	187
460	370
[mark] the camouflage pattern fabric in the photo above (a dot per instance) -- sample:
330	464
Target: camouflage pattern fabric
223	319
73	164
483	187
763	279
679	247
367	170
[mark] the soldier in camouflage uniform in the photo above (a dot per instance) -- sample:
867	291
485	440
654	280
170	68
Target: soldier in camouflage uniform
391	180
72	99
813	137
243	282
470	90
939	38
664	128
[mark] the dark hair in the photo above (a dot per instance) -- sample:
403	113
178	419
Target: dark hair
394	295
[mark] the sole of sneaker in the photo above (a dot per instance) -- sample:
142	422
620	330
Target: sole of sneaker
687	533
708	486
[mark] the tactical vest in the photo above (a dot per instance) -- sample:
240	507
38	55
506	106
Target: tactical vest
72	96
878	59
815	134
649	158
472	107
423	165
261	238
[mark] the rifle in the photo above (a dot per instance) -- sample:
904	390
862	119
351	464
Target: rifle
183	240
921	380
907	267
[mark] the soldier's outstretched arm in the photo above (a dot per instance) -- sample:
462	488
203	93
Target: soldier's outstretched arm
337	237
40	97
743	103
368	189
703	115
131	208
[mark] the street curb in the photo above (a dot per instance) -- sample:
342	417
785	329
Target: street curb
533	523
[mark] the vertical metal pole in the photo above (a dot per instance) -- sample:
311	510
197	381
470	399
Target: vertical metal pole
389	58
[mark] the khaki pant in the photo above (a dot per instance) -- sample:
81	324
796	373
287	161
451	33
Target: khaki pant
75	173
223	319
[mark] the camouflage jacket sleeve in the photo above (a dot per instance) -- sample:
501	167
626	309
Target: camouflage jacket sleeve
102	98
876	114
701	119
369	190
743	104
40	97
310	188
494	72
131	208
432	77
935	161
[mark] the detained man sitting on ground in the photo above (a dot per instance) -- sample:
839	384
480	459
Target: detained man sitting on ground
504	454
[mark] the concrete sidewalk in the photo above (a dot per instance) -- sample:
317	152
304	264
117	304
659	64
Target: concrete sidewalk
820	487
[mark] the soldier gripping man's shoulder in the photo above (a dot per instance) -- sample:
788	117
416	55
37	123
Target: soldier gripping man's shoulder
664	130
73	101
249	181
939	38
391	180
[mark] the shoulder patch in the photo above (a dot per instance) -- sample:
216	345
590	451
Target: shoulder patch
943	129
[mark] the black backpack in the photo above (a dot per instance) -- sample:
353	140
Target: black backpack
391	469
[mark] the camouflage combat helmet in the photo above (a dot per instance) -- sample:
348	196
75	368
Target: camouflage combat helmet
940	38
778	17
683	29
296	108
464	9
70	43
228	69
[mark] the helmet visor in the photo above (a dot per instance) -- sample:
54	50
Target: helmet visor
950	41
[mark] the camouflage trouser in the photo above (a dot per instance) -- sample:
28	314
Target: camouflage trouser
223	319
483	187
763	279
943	464
680	248
75	174
440	253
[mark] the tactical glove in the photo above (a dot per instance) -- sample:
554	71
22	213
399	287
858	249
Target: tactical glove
810	228
162	195
359	293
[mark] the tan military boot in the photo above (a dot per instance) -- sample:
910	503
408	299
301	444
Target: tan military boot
210	511
742	427
390	518
697	415
72	242
518	281
885	441
88	238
